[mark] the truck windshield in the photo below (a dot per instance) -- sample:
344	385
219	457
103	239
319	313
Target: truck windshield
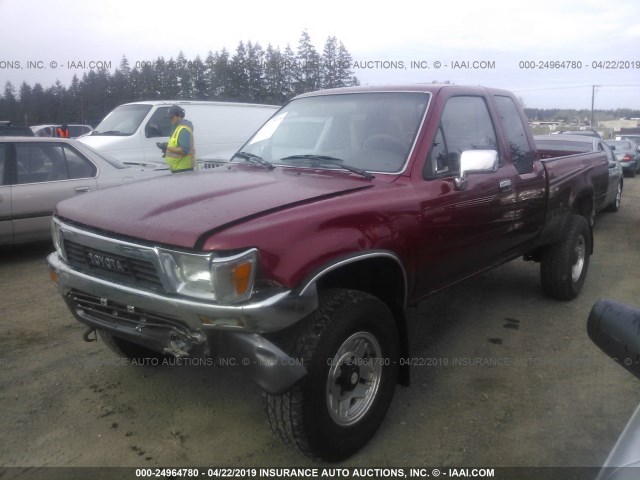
369	131
122	121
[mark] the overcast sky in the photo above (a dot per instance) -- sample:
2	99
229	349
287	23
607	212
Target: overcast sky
387	38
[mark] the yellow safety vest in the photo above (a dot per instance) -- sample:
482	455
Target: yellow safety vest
175	160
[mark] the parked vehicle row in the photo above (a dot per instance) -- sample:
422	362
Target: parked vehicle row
628	136
75	130
628	154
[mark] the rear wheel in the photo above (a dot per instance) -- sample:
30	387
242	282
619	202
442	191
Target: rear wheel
564	266
350	349
615	206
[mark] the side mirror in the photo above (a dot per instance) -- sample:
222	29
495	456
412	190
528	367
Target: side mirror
612	147
475	161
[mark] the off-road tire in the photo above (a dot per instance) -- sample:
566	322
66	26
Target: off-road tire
301	417
564	265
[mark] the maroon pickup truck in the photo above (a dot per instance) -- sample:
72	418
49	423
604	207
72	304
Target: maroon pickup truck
297	260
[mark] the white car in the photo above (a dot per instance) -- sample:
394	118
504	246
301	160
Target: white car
75	130
37	173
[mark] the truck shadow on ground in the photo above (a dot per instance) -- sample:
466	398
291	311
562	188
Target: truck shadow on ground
28	252
514	286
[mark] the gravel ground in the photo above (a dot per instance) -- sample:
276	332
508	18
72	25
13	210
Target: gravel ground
503	377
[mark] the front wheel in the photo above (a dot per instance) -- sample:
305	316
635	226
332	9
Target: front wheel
564	265
350	349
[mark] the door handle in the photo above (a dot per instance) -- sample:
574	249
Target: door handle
82	189
505	185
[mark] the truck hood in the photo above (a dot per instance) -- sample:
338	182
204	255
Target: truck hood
179	209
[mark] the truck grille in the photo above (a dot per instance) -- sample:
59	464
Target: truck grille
127	270
118	313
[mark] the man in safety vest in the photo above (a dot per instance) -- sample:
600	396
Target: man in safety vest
63	131
179	151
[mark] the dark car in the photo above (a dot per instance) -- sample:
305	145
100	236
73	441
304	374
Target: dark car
567	144
628	154
613	327
6	130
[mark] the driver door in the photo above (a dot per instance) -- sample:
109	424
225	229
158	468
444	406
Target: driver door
462	230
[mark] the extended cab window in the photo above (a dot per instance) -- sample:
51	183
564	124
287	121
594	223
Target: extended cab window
515	134
47	162
465	125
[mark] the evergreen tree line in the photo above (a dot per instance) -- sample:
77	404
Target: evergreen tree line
251	74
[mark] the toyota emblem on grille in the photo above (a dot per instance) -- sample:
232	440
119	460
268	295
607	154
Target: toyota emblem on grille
105	262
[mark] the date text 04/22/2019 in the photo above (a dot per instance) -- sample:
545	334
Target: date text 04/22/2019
579	65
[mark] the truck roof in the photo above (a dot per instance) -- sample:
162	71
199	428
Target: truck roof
199	102
433	88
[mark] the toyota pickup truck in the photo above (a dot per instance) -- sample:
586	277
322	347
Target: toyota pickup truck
296	262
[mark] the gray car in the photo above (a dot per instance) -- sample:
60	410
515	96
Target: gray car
37	173
628	153
567	144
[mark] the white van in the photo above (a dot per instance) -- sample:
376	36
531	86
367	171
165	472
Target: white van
130	132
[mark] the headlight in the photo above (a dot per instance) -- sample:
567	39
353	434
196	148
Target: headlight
206	276
56	236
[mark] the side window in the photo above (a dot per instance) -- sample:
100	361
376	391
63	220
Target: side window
48	162
3	164
465	125
158	125
78	167
515	134
39	162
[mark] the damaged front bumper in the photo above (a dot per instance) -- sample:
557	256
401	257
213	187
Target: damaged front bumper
183	327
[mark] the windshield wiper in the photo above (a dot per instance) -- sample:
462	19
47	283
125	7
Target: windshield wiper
332	161
250	157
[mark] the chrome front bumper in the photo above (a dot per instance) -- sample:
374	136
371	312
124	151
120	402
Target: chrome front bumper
184	327
267	315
